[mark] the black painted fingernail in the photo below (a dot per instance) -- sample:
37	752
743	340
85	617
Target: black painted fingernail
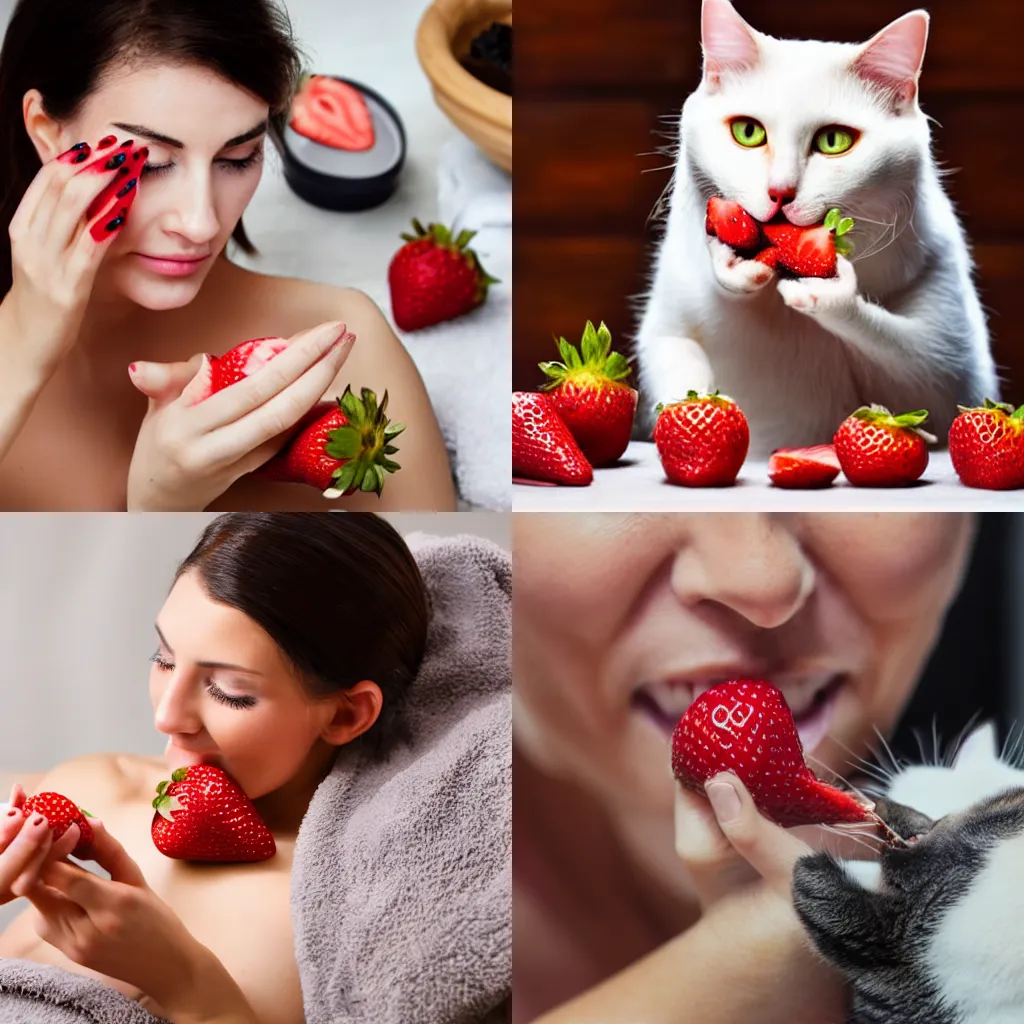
80	145
114	161
141	154
127	144
117	221
131	184
106	141
81	158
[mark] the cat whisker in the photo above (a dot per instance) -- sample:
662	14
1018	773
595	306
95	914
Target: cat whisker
897	765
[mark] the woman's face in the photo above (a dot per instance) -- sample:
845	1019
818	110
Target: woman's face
224	694
620	620
205	138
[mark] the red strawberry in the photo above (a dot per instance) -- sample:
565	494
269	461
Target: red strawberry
241	361
338	450
60	814
342	451
434	277
811	251
542	447
731	224
202	814
589	396
987	446
332	113
877	449
816	466
745	726
702	441
769	257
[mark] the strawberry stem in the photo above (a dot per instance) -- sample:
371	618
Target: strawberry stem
597	364
364	444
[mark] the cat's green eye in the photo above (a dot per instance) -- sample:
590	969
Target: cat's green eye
748	132
833	140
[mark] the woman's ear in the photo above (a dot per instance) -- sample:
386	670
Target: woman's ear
44	132
355	710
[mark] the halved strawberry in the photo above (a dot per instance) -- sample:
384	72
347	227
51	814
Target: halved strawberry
811	251
797	468
542	446
332	113
731	224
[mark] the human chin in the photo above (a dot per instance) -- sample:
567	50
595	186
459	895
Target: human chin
154	286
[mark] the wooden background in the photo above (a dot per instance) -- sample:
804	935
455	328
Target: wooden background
598	84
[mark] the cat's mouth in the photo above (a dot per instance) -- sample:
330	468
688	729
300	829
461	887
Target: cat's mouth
811	698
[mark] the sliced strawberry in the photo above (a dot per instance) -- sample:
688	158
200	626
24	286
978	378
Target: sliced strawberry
798	468
333	113
769	257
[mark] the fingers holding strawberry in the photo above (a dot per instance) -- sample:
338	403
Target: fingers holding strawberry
822	296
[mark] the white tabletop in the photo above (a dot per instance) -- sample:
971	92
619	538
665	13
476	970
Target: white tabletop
638	483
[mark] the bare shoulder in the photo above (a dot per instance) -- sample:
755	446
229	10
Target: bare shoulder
99	779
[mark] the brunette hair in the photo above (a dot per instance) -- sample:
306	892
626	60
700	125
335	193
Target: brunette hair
340	594
64	48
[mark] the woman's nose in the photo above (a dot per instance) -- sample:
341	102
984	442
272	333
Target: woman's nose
750	563
175	711
195	214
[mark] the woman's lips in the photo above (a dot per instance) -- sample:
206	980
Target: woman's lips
171	266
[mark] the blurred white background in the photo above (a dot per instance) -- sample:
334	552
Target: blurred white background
78	596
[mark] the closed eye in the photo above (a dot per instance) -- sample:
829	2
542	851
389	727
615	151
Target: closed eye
230	165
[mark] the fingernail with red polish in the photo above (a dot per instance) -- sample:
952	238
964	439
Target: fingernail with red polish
131	368
106	142
127	144
77	154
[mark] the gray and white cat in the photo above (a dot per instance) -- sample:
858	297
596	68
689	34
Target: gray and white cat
932	933
793	128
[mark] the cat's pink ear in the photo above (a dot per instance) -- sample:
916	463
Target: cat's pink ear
729	42
892	59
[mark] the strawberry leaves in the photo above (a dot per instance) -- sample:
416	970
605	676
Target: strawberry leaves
365	444
839	226
597	358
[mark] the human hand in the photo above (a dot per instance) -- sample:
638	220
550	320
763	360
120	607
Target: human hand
26	847
191	449
121	928
823	296
60	234
733	272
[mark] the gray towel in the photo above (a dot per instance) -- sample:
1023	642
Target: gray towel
402	884
34	994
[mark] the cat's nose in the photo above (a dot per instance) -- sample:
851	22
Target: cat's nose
782	195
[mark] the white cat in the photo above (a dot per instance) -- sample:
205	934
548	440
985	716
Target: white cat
900	325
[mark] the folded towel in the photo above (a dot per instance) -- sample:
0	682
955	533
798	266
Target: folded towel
33	994
402	882
466	363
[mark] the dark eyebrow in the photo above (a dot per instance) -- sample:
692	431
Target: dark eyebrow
165	140
208	664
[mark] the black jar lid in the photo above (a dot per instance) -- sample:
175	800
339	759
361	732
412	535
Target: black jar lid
338	179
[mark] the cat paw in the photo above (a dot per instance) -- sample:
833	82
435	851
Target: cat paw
734	273
822	295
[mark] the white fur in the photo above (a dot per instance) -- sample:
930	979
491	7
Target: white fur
901	325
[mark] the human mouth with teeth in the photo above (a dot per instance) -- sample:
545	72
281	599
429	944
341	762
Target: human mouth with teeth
811	697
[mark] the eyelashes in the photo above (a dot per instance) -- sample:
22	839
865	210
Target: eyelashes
212	688
231	166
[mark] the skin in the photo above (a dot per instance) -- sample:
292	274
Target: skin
615	864
66	356
188	941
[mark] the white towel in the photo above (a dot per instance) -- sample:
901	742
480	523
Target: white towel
466	363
